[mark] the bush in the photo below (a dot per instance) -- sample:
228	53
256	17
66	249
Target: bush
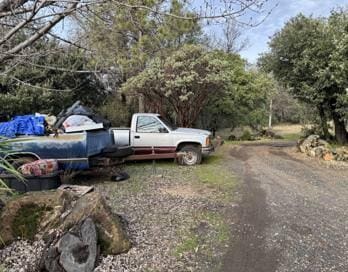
316	130
117	112
246	136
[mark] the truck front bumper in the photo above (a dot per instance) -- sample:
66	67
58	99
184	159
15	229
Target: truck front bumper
207	150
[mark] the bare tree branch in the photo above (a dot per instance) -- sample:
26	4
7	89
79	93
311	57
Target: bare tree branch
8	5
22	24
15	12
64	69
41	32
25	15
35	86
244	5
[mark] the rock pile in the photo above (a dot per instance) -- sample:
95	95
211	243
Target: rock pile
315	147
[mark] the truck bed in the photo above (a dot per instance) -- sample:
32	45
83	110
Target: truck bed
72	150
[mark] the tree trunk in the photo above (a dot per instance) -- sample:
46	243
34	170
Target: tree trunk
341	134
141	103
323	122
270	114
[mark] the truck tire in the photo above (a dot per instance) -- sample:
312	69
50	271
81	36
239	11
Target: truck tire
191	155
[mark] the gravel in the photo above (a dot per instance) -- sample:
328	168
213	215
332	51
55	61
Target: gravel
165	210
291	216
305	202
21	256
158	222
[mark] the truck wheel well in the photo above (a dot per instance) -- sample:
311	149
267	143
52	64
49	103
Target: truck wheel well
21	155
181	145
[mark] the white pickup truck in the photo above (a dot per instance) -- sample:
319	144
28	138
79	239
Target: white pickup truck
153	137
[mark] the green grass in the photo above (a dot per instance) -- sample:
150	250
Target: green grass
219	233
217	221
291	136
214	172
190	243
337	145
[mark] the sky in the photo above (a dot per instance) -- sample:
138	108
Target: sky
259	36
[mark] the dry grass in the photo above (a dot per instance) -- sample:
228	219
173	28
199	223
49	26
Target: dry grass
284	129
287	131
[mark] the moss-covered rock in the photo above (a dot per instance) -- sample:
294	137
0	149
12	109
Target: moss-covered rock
26	222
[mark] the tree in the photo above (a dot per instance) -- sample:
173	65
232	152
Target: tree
231	40
338	28
36	17
287	109
309	56
135	37
39	18
184	81
245	101
39	85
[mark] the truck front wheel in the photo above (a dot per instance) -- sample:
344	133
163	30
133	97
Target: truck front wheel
190	155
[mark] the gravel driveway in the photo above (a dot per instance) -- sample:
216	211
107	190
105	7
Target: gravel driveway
293	212
249	208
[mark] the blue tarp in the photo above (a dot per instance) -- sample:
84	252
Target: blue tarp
23	125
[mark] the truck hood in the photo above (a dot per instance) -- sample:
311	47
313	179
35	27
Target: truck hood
192	131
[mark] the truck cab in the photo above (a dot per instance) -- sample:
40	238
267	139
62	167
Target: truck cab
153	137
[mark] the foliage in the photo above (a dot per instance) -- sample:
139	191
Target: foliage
184	81
287	109
118	112
310	56
246	136
134	36
49	83
245	101
6	166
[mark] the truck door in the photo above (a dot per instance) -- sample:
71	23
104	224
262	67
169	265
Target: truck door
152	137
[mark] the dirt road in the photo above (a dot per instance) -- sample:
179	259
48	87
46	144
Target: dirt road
292	214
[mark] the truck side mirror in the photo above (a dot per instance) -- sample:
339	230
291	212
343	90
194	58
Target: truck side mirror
162	130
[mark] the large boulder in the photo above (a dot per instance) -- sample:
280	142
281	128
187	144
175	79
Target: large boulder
40	213
111	235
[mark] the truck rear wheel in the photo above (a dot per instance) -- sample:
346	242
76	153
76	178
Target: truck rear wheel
191	155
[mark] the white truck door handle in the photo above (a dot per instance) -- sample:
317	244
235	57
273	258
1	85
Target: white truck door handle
137	137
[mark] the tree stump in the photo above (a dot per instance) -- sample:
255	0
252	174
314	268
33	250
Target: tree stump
75	251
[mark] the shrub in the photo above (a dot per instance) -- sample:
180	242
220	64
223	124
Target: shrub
246	136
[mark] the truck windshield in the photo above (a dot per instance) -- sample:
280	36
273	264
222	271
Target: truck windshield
167	123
